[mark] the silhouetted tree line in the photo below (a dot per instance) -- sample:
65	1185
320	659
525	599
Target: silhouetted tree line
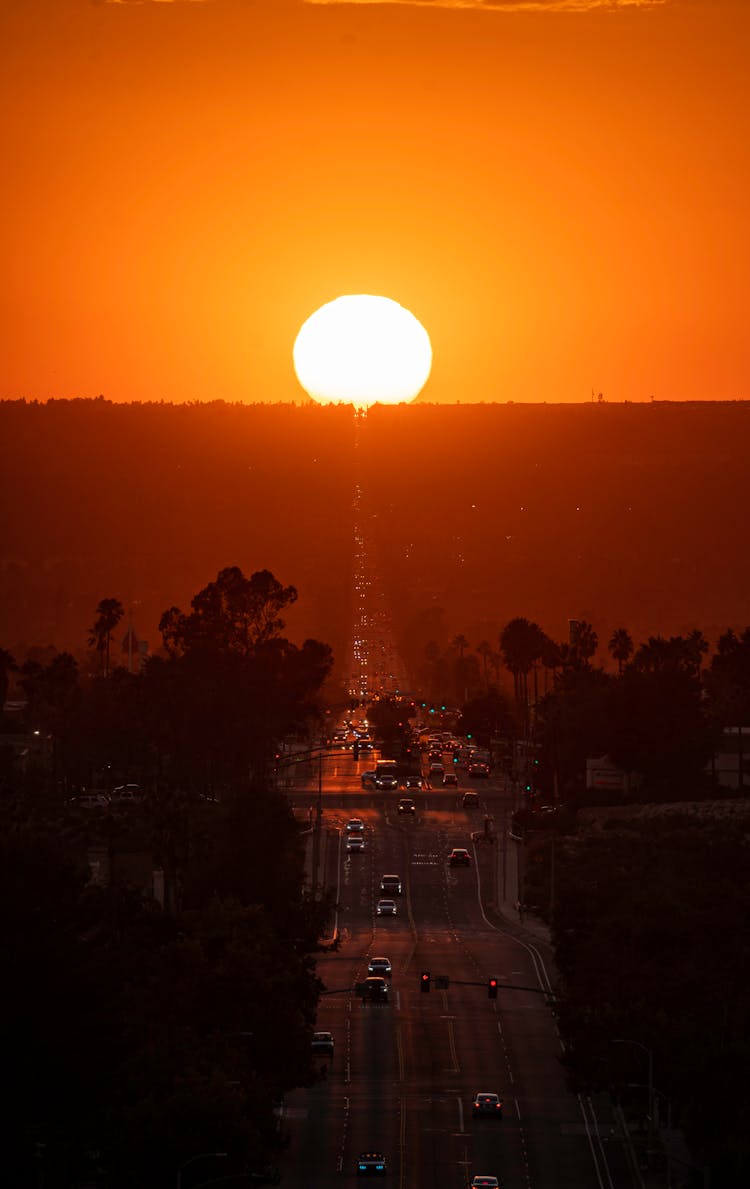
652	946
135	1036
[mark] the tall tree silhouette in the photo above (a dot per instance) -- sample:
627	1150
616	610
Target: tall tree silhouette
521	647
484	649
621	647
108	614
233	614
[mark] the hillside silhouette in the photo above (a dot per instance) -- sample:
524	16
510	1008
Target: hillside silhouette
619	514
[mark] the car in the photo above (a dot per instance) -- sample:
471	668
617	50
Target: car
126	794
414	782
322	1044
355	844
459	857
450	778
482	1181
435	757
487	1103
437	770
386	908
386	781
355	825
406	805
368	777
374	988
381	966
479	768
372	1164
470	800
390	884
91	801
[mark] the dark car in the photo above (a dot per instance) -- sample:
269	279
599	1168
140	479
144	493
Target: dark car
406	805
479	768
486	1103
322	1044
450	778
459	857
390	885
471	800
374	988
414	782
372	1164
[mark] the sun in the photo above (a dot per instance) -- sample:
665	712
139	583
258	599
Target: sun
362	349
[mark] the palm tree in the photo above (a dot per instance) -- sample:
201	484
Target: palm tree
551	658
108	614
461	643
621	647
586	642
521	647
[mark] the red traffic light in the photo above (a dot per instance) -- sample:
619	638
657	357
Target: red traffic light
424	981
492	988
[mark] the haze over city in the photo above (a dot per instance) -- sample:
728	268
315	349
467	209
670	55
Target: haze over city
374	622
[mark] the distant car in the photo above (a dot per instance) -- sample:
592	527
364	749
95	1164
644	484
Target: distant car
486	1103
414	782
470	800
368	777
386	908
355	844
372	1164
459	857
406	805
355	825
386	781
126	794
91	801
435	756
479	768
450	778
391	885
322	1044
381	966
374	988
484	1182
437	770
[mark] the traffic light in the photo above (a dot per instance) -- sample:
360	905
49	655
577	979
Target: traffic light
492	988
424	981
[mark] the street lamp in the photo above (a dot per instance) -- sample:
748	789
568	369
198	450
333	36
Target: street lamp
649	1053
200	1156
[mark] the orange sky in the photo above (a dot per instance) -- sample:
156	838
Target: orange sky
560	197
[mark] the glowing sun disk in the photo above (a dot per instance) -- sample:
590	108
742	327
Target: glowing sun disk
362	349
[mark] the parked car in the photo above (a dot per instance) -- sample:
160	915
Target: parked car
459	857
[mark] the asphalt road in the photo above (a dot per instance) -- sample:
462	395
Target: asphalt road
404	1074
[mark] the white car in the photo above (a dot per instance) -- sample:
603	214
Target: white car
386	908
